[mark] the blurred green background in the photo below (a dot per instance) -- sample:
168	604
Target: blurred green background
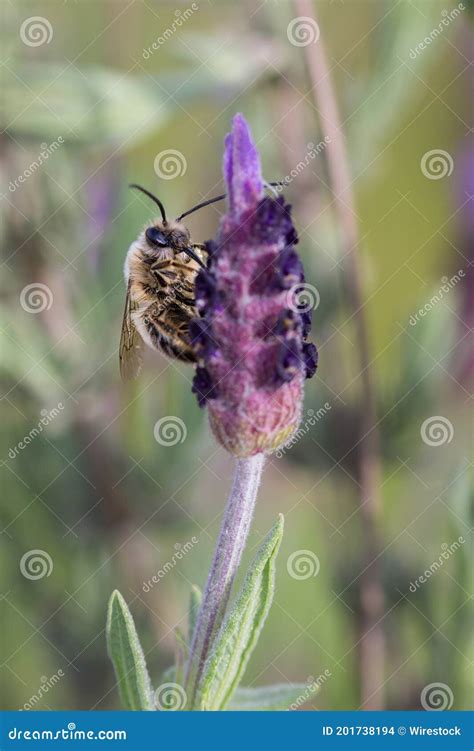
94	490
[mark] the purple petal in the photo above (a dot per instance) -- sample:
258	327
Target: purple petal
288	361
310	358
203	386
200	332
205	291
290	269
242	170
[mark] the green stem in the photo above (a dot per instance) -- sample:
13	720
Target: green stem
230	545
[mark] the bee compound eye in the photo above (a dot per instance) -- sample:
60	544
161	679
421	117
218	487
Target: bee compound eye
156	237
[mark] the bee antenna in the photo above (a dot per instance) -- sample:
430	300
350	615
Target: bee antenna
213	200
201	206
153	198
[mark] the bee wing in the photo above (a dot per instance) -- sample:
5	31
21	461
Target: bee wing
130	350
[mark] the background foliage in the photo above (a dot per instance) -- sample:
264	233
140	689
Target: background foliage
95	490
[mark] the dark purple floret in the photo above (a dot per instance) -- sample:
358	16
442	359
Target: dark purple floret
205	291
272	221
264	275
301	304
212	249
203	386
292	236
288	321
288	363
290	269
310	359
200	332
306	319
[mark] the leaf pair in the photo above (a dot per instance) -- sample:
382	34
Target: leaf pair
218	687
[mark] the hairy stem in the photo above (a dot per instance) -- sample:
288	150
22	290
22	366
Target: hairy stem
372	643
230	545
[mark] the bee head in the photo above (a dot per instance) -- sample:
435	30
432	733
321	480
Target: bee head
165	234
172	235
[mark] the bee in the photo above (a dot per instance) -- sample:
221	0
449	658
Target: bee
160	272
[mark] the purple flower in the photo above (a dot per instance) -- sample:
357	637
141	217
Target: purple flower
250	341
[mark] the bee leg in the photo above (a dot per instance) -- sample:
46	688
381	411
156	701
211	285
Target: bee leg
190	252
203	249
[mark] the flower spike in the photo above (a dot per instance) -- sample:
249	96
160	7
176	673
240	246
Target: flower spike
250	340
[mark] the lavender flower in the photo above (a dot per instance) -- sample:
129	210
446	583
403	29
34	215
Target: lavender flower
250	340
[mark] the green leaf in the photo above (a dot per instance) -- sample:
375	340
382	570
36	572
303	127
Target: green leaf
278	697
194	606
127	656
241	629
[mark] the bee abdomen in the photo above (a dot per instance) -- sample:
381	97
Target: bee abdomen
172	340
